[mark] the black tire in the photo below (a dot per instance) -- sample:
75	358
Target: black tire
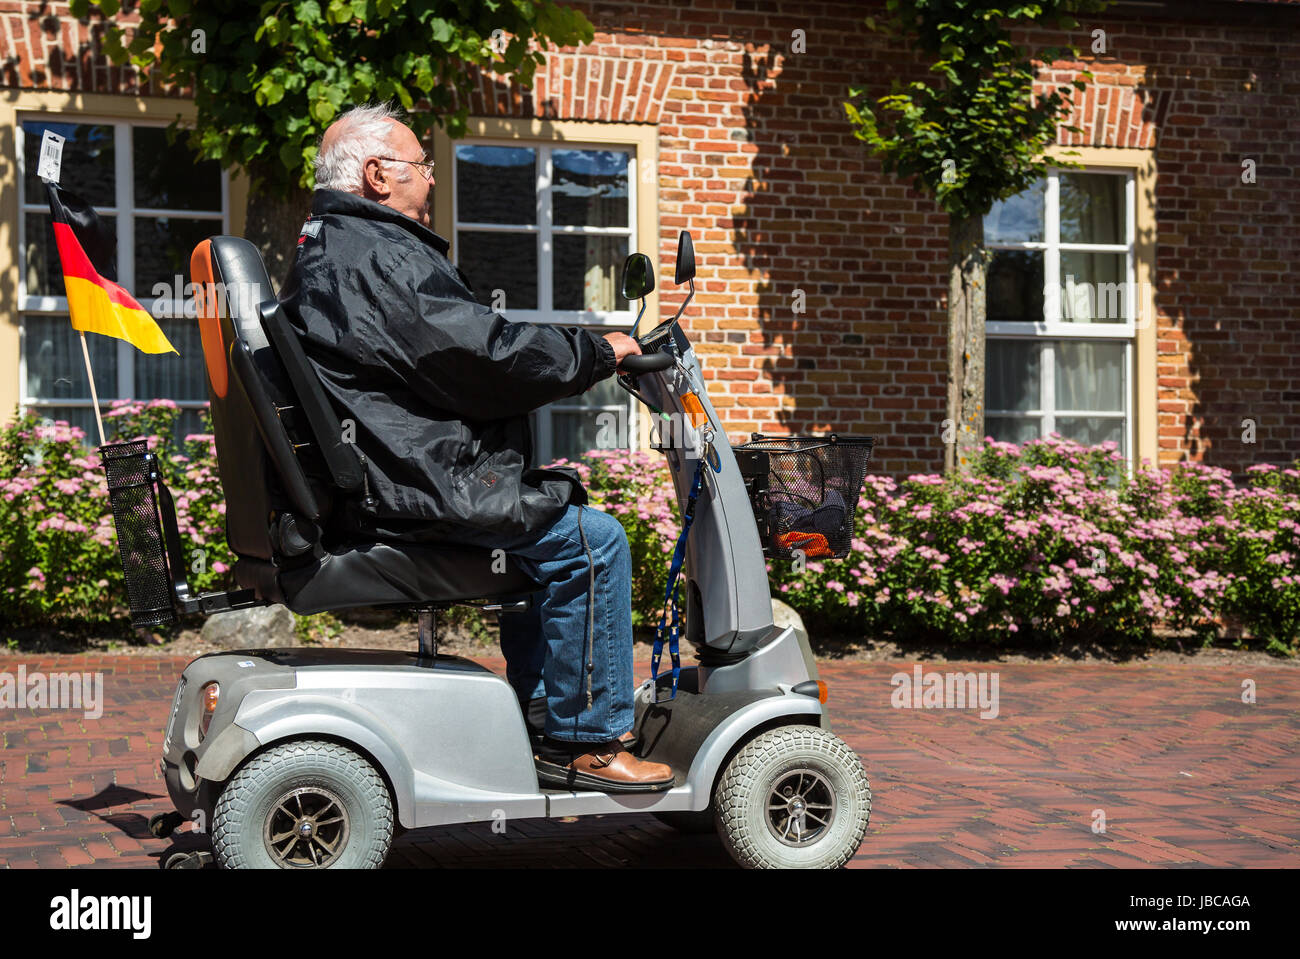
344	803
823	801
690	822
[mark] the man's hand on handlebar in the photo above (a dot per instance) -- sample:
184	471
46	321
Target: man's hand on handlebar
624	346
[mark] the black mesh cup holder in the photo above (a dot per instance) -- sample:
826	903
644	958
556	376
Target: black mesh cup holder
804	491
132	473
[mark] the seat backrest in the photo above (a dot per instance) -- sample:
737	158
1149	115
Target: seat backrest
267	454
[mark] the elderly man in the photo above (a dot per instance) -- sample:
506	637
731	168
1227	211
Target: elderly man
439	389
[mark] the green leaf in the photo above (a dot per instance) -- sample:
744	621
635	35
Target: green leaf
440	31
322	111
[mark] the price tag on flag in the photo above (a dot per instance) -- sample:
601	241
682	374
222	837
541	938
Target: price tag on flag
51	157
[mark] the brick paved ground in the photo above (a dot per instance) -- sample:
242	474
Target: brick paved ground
1185	773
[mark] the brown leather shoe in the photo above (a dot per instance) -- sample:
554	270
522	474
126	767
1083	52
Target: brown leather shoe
610	768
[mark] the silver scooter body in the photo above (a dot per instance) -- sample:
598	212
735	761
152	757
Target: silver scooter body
447	734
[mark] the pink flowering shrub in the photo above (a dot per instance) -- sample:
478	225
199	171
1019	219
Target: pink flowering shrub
1055	541
1042	542
58	548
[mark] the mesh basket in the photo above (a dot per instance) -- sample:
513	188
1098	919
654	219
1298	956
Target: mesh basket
804	491
131	472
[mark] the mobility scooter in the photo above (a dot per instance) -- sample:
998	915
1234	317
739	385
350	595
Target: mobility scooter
311	757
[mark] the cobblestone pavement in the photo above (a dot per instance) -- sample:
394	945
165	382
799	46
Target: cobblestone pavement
1183	772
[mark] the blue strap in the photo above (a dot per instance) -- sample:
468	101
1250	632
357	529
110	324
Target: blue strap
670	618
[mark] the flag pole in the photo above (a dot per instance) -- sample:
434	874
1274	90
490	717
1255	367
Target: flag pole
94	396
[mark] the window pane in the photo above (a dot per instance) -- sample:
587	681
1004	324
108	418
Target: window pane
585	272
1089	376
1012	429
162	251
496	185
189	422
55	368
589	188
168	177
1092	287
88	165
573	434
500	261
605	393
171	377
1092	430
41	258
1015	286
1013	374
1092	208
1018	219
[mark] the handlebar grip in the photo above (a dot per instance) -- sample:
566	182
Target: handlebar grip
646	363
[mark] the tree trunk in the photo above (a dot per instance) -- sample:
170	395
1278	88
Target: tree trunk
964	433
272	225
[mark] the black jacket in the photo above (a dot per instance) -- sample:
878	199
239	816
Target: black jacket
437	386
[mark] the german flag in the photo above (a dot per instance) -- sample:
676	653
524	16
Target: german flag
96	302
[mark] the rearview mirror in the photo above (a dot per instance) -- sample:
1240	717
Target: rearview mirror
685	259
638	277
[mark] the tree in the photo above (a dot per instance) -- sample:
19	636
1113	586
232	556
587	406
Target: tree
268	79
971	136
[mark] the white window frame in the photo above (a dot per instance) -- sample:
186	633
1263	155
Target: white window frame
1053	329
545	230
124	200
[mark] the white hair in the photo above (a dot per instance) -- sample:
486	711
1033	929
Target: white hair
362	132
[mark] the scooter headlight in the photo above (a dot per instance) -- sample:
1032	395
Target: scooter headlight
208	698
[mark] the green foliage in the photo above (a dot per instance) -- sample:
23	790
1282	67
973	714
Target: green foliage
978	111
268	79
316	628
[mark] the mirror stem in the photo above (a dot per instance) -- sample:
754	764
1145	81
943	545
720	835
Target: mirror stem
681	309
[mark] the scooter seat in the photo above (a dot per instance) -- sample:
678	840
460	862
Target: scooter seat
382	574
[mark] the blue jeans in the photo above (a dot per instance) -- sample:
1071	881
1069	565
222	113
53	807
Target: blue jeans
585	677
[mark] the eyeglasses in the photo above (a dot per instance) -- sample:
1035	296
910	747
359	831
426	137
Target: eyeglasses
428	174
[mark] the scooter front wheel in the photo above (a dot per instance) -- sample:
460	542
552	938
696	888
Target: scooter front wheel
794	797
307	805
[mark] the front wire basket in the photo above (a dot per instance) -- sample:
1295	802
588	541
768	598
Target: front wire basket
804	491
132	473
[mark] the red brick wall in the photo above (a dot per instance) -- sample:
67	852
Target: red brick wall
757	161
43	47
1207	95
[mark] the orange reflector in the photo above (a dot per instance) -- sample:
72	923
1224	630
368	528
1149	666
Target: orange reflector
821	692
691	403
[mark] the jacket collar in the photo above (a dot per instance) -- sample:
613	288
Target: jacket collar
341	203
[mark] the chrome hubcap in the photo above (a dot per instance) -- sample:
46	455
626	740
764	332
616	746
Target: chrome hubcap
307	828
800	807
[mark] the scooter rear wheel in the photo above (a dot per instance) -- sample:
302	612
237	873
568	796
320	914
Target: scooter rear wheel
794	797
306	805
